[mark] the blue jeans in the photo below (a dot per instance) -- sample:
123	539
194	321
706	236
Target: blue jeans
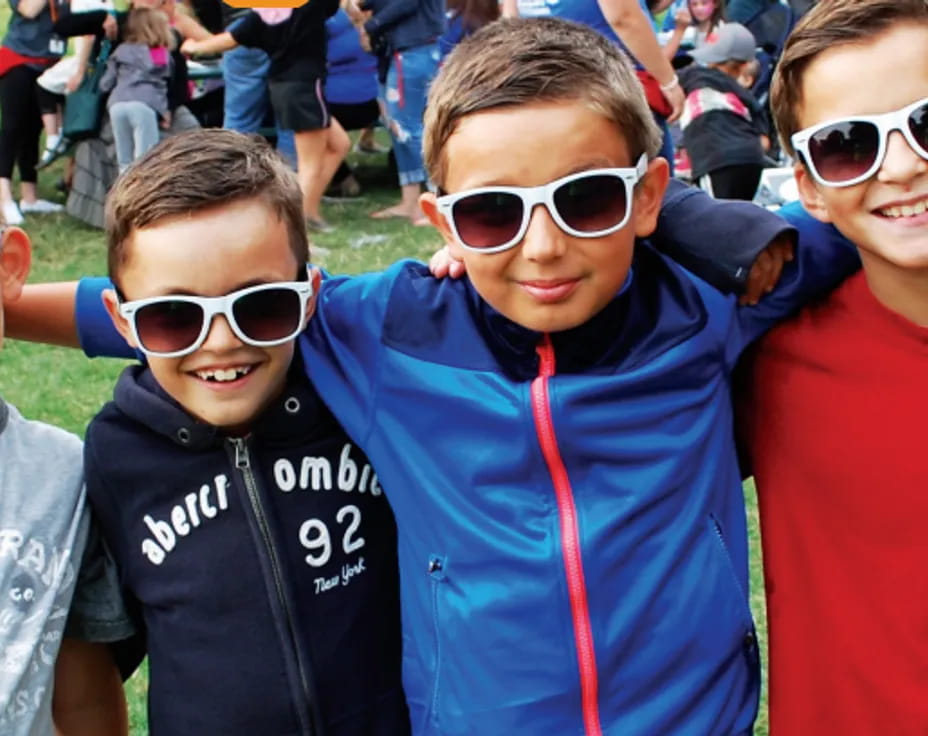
411	71
244	73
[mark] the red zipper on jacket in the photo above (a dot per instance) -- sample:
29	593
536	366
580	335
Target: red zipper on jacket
570	539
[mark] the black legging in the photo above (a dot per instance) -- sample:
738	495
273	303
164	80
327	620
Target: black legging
20	123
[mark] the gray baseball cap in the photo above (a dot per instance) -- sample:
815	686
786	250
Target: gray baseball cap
730	42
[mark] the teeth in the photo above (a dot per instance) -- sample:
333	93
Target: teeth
907	210
222	375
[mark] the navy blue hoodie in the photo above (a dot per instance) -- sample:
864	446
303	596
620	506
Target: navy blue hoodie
263	568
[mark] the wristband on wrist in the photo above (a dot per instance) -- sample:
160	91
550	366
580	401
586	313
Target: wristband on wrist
675	82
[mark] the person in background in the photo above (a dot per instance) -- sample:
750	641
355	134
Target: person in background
29	47
404	36
136	76
465	17
724	128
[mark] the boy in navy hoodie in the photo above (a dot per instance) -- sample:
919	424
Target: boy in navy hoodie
251	536
556	429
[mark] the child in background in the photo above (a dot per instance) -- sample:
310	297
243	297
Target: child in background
44	531
836	412
295	39
723	126
689	24
137	76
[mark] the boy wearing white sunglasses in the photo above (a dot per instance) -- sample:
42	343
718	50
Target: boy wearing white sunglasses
557	429
838	404
250	534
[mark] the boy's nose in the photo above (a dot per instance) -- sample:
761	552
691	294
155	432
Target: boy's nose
220	336
900	164
543	240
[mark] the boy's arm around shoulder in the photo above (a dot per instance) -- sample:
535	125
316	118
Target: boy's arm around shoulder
345	338
718	240
68	313
824	258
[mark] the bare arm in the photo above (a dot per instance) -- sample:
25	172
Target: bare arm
631	25
189	27
88	698
510	9
212	44
44	313
31	8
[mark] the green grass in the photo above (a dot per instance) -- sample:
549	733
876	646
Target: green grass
65	388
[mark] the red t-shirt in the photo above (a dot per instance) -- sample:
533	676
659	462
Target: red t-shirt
836	429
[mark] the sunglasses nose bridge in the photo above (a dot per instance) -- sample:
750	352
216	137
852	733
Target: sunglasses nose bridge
219	333
901	161
544	239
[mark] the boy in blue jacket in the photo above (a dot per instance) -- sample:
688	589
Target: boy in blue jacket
555	430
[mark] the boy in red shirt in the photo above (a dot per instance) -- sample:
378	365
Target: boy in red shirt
838	395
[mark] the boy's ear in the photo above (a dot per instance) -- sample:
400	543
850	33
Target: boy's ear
119	322
809	194
428	202
315	278
649	194
15	259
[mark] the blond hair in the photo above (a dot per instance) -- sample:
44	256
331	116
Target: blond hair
520	61
829	24
150	27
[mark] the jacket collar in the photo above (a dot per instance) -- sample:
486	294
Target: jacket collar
654	310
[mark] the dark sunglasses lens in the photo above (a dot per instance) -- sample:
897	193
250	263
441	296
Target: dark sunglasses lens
268	315
844	151
488	219
593	203
918	126
168	326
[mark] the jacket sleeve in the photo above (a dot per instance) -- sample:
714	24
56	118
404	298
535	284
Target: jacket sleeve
95	330
108	78
342	345
716	240
824	258
391	14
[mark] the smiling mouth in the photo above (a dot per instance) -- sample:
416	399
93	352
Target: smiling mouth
224	375
905	210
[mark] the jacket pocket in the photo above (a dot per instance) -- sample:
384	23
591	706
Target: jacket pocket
749	635
437	576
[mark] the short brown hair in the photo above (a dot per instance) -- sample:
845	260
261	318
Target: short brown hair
829	24
196	171
150	27
519	61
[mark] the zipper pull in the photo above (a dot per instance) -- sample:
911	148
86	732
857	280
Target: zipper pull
241	453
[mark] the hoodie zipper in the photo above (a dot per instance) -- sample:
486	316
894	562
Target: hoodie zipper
570	538
243	464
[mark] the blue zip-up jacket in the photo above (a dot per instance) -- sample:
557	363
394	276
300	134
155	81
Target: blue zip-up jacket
263	568
571	524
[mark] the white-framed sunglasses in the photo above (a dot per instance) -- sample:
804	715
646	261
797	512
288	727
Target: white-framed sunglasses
174	325
588	204
847	151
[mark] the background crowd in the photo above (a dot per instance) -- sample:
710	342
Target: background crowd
304	77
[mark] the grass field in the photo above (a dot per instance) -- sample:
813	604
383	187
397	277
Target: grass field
63	387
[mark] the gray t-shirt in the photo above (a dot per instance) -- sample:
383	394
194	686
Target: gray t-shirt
44	527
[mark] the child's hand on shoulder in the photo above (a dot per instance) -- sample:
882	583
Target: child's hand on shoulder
443	264
767	268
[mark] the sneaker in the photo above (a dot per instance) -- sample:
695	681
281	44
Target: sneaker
11	214
39	207
370	147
